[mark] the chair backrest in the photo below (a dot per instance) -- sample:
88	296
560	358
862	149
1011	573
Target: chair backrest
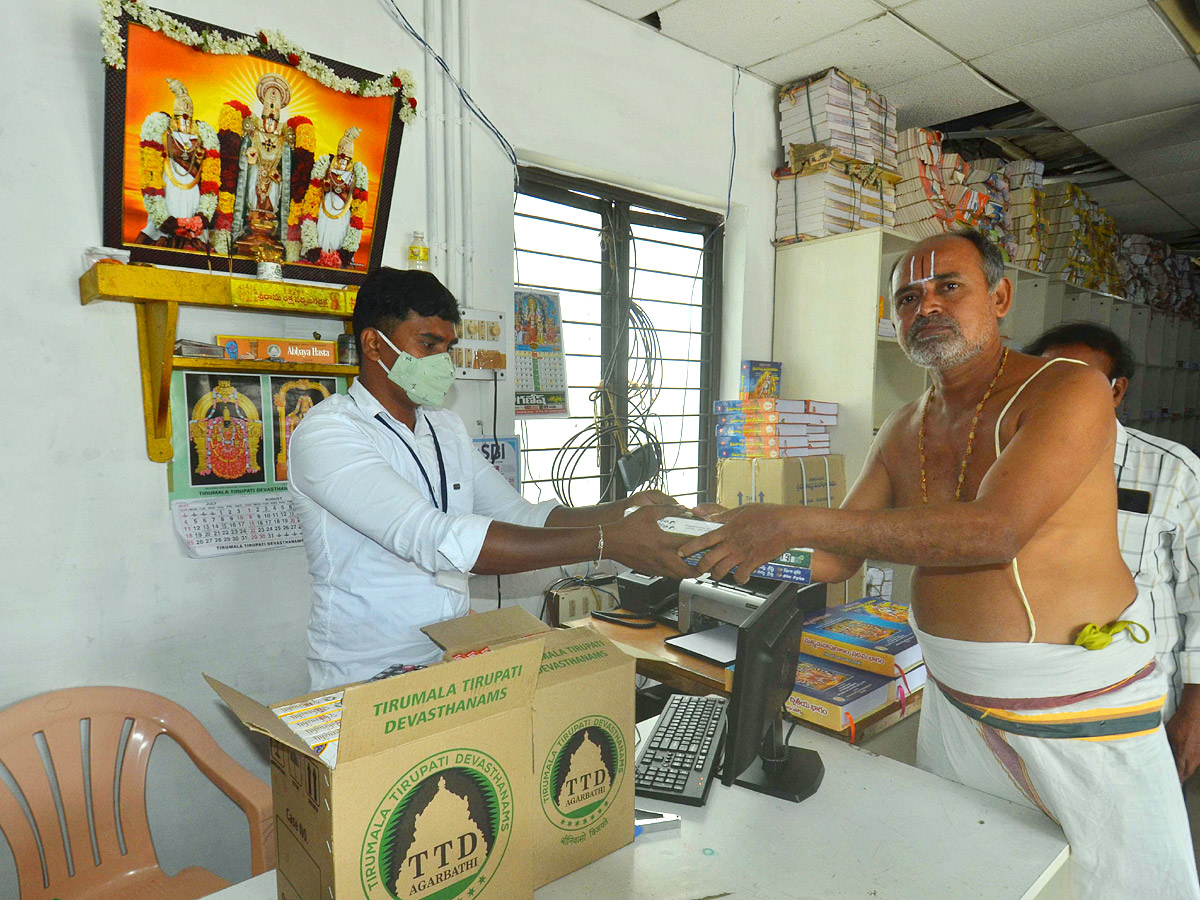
78	758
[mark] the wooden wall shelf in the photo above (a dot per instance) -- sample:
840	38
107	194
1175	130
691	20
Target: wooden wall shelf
157	295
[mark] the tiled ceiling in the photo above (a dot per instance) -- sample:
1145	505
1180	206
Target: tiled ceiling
1116	74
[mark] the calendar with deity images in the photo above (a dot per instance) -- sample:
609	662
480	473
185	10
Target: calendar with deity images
227	481
540	369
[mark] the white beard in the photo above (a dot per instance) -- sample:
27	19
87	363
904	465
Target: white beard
943	351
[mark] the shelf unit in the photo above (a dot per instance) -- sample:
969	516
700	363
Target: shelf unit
827	297
157	295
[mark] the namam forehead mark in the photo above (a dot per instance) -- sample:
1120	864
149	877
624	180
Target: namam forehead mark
935	260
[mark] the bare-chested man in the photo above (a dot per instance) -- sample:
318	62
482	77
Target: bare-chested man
998	486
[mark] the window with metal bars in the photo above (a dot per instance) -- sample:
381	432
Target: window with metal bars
639	283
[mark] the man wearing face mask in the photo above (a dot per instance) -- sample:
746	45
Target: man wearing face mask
397	506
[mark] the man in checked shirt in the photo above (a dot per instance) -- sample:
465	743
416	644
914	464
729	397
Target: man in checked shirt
1158	483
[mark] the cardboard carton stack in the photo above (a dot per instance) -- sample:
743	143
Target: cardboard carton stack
855	659
1082	242
833	109
821	192
1025	200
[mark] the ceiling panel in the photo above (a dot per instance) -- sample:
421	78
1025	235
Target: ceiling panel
1148	217
950	93
1161	129
973	28
1173	184
1120	193
1188	205
880	52
1119	45
633	9
1123	97
750	31
1159	160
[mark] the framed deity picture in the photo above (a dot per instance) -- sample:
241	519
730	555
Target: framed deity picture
224	149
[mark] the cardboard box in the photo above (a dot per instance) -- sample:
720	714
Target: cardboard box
583	737
813	481
432	788
277	349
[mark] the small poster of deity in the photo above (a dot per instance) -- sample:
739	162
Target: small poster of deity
540	371
224	428
231	431
291	399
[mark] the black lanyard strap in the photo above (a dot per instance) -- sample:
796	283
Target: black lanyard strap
445	506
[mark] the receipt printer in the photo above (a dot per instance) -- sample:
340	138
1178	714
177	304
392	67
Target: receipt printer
726	601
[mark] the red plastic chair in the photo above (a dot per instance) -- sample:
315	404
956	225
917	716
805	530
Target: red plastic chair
127	866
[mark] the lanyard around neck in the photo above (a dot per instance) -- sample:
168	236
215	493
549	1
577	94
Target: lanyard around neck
445	504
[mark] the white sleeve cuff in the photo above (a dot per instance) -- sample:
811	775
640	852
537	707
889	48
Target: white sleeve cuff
463	541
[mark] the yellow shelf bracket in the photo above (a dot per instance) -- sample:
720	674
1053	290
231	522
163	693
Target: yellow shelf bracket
156	321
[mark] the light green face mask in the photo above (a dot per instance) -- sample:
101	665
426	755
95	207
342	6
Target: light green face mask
426	380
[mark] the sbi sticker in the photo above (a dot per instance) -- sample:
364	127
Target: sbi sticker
440	831
583	772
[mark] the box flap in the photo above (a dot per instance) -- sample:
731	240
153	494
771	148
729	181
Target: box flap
378	715
259	718
577	652
497	626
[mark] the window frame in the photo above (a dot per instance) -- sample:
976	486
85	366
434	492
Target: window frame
619	209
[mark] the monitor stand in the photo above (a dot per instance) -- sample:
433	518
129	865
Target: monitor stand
789	773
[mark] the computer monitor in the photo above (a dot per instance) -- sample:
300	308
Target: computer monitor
756	756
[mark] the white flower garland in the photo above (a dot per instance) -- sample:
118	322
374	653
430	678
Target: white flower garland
209	141
215	42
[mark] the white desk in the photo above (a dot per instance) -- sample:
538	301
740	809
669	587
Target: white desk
875	828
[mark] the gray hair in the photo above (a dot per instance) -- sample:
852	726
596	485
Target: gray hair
991	259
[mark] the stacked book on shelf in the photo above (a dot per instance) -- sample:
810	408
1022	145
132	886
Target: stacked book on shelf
821	192
1025	202
1082	239
759	425
841	112
987	178
1155	275
839	138
854	660
939	191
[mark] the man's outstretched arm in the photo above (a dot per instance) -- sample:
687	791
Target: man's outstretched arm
1057	444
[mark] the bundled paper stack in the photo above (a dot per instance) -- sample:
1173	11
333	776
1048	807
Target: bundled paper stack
921	206
988	179
937	190
823	192
773	428
833	109
1081	239
1025	200
1157	276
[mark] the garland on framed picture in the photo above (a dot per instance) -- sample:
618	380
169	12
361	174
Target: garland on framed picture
223	150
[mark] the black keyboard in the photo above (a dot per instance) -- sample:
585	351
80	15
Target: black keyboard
678	760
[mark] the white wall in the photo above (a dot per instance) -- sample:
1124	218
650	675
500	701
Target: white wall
96	589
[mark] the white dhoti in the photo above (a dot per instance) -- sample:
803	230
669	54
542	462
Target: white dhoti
1077	734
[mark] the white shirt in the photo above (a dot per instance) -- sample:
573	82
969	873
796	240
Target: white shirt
386	557
1162	548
